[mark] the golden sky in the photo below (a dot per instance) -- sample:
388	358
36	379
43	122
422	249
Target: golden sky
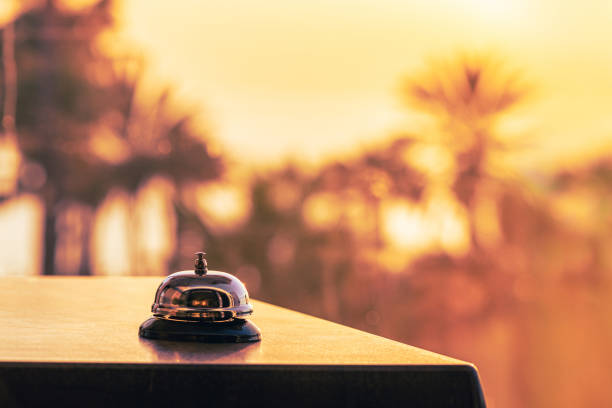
312	79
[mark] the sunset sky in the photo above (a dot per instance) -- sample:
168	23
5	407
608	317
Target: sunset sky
318	80
314	79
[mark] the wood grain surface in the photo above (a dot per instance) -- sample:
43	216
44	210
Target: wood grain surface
96	320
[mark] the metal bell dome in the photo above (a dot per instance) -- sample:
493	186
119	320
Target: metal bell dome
201	295
201	305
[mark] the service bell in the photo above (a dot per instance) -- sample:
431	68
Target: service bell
201	305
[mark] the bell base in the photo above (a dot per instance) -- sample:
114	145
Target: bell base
234	331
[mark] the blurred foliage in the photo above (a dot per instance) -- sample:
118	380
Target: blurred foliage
505	298
82	132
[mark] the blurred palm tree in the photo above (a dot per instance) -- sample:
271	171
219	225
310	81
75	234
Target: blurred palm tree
82	132
467	95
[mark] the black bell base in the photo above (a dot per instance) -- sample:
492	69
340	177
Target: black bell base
234	331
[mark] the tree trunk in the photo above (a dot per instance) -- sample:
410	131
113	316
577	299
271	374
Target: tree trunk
50	243
86	220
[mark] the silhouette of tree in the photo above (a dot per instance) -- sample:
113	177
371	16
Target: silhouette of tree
82	132
467	95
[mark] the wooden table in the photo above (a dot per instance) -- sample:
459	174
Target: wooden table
74	341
